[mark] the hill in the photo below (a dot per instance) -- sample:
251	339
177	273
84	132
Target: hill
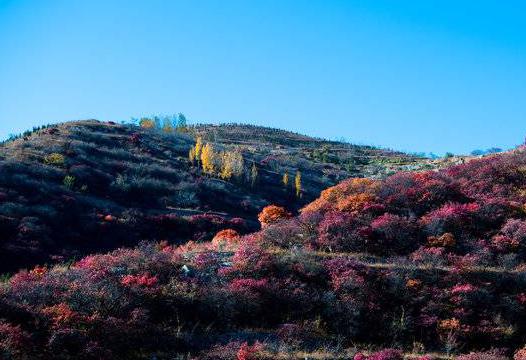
88	186
426	262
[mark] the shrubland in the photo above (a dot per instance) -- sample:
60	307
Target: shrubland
419	264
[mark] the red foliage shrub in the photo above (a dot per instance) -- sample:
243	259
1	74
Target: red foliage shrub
339	231
504	244
249	288
514	235
250	352
345	274
429	255
207	260
463	289
387	354
460	290
393	233
39	271
251	259
142	280
520	354
454	218
417	193
60	314
109	218
14	342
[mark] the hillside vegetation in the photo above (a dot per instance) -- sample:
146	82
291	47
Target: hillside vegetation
419	262
88	186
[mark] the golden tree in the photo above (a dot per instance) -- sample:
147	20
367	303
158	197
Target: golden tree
191	155
232	164
227	168
238	164
198	148
285	179
297	183
208	159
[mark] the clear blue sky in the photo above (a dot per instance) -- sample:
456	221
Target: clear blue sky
412	75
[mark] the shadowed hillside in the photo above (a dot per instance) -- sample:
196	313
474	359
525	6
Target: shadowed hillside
88	186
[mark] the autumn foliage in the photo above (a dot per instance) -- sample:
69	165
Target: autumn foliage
272	214
432	261
351	195
226	237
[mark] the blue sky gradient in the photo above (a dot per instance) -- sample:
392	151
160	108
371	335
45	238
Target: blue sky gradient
411	75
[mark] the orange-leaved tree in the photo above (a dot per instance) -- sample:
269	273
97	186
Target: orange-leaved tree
226	237
272	214
350	195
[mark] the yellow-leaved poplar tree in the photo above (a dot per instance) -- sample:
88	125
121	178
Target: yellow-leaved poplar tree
297	183
191	155
198	148
208	159
238	163
285	179
227	169
232	164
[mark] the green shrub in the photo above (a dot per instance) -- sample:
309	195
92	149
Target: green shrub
69	181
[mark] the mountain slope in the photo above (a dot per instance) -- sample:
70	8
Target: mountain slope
424	262
88	186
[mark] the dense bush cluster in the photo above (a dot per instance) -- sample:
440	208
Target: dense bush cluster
467	213
158	300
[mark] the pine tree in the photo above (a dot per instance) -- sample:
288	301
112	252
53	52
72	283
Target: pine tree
181	124
297	183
